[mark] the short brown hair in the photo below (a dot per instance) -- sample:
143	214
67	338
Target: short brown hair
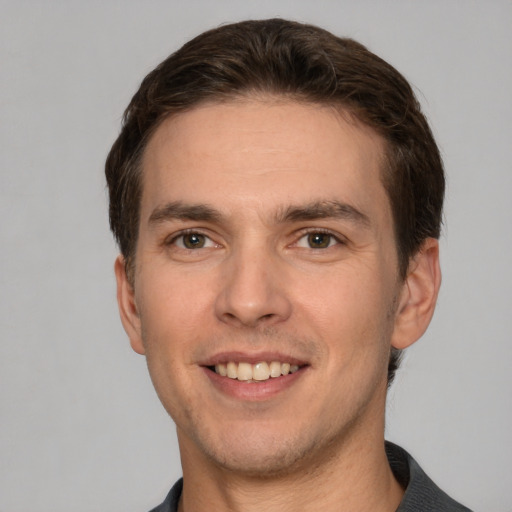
304	63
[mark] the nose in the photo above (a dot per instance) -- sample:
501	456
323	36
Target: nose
253	291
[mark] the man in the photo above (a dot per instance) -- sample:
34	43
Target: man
276	194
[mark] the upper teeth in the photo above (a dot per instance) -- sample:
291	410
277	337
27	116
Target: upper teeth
259	371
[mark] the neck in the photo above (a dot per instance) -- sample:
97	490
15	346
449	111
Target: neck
354	476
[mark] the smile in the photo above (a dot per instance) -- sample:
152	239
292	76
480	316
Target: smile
258	372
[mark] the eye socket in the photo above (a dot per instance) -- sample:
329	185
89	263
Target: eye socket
317	240
314	240
192	240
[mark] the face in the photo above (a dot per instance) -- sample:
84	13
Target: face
266	252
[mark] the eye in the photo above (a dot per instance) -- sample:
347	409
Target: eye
192	240
317	240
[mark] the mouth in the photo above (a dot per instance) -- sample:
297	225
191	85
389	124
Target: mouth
259	372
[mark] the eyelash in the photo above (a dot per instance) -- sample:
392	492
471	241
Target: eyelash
303	234
182	234
319	231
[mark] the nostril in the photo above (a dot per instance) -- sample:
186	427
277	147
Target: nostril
251	305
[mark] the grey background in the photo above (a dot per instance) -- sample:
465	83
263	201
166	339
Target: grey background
81	428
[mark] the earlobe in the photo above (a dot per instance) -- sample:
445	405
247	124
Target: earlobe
127	306
419	295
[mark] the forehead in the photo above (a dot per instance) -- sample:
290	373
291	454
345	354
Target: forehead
266	150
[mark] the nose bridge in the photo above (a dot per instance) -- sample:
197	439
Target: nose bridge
252	291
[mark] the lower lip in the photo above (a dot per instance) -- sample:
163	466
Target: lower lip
253	391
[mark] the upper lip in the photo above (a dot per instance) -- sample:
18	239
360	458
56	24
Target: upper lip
252	358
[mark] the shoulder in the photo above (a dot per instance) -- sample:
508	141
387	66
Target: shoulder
421	493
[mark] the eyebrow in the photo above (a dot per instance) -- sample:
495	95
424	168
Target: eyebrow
323	210
178	210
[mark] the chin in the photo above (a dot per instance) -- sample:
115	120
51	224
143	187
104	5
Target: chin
258	464
256	455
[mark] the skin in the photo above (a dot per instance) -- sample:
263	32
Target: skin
276	272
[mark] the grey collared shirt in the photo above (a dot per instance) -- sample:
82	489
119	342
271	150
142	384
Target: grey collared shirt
421	493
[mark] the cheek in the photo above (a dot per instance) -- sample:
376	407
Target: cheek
173	305
343	296
350	313
172	316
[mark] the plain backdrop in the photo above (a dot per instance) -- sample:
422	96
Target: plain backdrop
81	428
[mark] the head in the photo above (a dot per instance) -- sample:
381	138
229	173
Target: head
277	203
302	63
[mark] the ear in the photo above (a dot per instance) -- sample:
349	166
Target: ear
127	306
418	296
